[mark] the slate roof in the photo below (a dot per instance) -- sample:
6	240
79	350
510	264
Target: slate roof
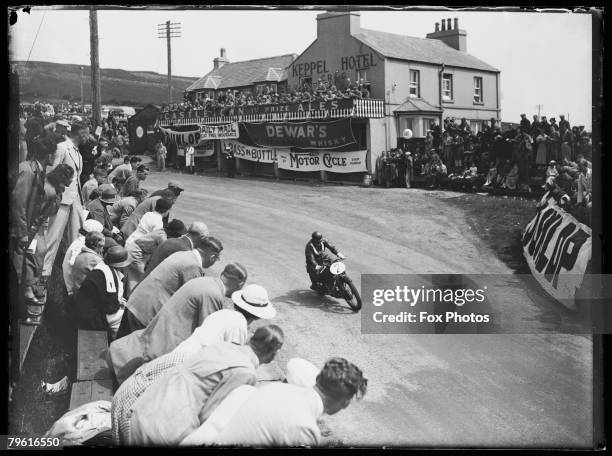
427	50
417	105
245	73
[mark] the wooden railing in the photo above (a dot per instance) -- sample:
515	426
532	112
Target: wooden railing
367	108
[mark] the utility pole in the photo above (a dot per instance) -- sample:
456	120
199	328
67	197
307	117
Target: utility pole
168	31
82	98
96	99
540	107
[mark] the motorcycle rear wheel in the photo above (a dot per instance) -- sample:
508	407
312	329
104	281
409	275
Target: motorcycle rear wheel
351	295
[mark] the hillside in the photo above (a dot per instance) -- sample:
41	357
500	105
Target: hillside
56	82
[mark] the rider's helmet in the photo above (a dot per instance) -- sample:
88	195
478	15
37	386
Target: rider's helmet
317	236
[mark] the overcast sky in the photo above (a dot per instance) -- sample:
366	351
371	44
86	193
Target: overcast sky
544	58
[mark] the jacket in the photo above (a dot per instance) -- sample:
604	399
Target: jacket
98	211
167	248
93	302
314	256
68	154
27	197
130	225
177	403
174	323
83	265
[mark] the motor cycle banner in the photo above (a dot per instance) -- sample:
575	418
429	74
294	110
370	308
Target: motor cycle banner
256	154
336	162
303	135
558	249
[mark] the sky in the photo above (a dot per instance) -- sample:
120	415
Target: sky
544	58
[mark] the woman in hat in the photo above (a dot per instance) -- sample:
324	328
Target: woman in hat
89	226
99	302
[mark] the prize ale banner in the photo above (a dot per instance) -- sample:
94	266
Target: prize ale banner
557	248
303	135
256	154
336	162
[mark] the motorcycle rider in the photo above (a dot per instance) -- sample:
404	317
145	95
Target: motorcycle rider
315	255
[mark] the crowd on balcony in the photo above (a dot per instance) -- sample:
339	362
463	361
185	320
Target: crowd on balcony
205	106
542	155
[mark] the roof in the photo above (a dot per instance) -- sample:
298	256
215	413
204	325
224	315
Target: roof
245	73
416	105
426	50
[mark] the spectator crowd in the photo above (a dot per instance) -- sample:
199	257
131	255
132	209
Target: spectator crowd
205	106
540	155
180	349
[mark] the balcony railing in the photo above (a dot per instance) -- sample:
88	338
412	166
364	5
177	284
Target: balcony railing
359	108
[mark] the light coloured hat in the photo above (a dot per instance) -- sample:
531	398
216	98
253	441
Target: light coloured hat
301	372
254	299
91	226
63	123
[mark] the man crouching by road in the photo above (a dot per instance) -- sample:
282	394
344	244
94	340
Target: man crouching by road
315	256
282	414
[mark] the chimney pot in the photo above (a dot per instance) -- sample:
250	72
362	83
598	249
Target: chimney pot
443	25
456	24
448	24
437	26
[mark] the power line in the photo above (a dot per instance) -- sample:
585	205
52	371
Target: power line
37	31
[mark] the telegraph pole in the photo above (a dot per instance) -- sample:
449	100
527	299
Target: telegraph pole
539	109
96	99
82	98
168	31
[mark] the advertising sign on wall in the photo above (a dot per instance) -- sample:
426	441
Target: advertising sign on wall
335	162
196	134
303	135
557	248
251	153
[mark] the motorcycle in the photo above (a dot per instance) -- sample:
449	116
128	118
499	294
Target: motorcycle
335	282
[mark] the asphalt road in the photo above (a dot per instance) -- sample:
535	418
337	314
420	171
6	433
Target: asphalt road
505	390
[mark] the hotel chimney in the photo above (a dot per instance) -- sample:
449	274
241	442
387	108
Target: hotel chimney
218	62
451	36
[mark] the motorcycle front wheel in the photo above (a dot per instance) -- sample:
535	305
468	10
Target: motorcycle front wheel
351	295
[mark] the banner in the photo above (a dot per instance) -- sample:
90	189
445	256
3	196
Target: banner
305	106
336	162
195	134
205	149
557	248
303	135
256	154
224	131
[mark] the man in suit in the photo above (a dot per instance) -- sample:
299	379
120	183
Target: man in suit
70	215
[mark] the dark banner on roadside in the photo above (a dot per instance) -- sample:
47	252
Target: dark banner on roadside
302	135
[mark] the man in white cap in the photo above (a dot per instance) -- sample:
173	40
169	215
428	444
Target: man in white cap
282	414
89	226
175	321
69	216
191	240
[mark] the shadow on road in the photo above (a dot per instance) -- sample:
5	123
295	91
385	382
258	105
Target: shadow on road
309	298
